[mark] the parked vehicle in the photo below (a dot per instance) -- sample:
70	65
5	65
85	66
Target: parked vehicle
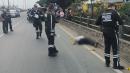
14	13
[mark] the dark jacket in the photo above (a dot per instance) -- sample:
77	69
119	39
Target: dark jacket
50	22
109	21
4	16
36	16
9	18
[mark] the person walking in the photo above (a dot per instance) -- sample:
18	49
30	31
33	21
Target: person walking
36	15
4	22
50	21
9	21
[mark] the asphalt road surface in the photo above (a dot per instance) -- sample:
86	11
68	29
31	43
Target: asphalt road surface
20	52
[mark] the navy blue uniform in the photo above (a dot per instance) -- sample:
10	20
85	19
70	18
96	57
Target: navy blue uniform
37	22
110	20
5	23
50	22
9	21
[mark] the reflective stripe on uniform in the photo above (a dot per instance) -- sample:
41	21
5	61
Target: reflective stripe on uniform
115	56
51	22
51	45
52	30
107	55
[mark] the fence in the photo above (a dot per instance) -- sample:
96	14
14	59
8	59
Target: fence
88	22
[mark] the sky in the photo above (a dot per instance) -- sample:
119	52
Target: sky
20	3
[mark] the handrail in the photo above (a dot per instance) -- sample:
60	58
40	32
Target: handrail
127	35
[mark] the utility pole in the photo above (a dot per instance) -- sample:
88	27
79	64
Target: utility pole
25	4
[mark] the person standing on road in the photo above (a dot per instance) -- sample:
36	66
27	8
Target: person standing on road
37	20
110	21
4	22
69	14
50	21
9	21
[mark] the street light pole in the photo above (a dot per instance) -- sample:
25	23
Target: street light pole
91	9
3	3
8	4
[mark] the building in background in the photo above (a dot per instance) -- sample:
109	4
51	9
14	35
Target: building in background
126	0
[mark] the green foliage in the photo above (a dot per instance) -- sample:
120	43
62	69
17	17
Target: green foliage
63	3
125	10
76	1
41	2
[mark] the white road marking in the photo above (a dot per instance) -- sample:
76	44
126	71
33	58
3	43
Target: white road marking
94	53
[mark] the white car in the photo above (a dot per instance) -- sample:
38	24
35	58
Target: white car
14	13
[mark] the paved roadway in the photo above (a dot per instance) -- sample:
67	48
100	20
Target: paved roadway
20	52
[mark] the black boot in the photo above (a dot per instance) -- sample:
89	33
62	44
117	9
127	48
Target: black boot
37	35
40	34
116	64
11	30
107	63
51	52
55	50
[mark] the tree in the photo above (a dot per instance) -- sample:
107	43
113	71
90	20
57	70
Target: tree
42	2
125	11
62	3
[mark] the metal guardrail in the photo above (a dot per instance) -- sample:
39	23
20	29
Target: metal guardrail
127	26
90	23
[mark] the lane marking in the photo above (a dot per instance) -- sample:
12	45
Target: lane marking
94	53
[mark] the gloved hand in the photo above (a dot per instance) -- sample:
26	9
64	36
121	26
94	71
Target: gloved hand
36	16
52	33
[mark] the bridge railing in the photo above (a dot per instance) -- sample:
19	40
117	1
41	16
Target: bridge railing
88	22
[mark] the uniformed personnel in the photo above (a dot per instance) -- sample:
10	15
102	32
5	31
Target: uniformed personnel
9	21
50	21
4	22
37	20
110	21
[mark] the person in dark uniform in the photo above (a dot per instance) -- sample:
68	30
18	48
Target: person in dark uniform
69	14
9	21
4	22
110	21
29	18
37	20
50	22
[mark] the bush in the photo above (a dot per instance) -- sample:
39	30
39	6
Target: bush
125	10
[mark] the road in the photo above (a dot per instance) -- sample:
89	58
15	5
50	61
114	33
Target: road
20	52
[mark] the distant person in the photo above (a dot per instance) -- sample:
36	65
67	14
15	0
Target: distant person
9	21
110	21
29	17
37	20
5	22
69	14
50	21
